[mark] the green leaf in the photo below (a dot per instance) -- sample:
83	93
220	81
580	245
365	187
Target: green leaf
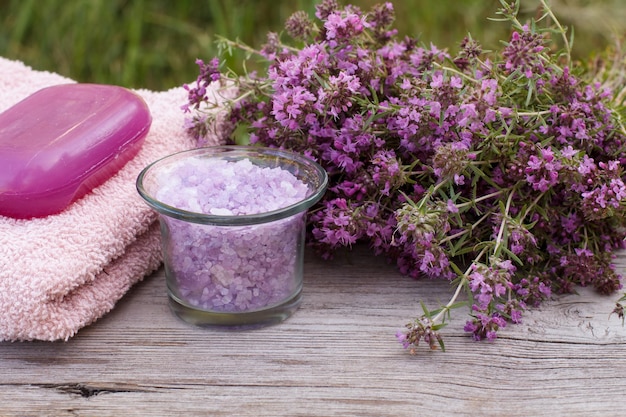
483	176
437	327
441	344
512	256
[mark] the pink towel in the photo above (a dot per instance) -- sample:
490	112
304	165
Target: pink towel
63	272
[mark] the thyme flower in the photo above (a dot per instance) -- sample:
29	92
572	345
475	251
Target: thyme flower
498	171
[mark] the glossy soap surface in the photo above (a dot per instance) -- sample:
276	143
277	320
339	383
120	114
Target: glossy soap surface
62	141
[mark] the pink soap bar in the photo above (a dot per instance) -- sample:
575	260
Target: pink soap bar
63	141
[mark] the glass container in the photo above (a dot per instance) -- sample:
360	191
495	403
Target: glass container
233	221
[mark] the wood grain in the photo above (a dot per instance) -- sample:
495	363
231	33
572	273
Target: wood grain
337	356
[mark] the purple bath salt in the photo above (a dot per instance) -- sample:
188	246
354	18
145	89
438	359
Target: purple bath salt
232	268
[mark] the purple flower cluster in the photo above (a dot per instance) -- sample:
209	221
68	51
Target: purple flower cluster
504	163
421	329
209	73
523	53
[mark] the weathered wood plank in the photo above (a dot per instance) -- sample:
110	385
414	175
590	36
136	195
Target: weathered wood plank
337	356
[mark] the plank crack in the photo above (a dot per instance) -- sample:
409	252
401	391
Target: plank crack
88	391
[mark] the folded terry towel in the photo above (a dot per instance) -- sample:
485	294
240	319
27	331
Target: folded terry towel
63	272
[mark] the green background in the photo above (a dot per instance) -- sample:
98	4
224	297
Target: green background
154	43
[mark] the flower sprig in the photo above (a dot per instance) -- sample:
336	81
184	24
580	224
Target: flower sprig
499	171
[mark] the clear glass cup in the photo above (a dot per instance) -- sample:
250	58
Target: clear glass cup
225	269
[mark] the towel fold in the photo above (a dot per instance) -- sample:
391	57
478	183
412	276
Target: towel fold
63	272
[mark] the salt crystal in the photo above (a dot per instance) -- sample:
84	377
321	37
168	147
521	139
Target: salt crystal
232	268
220	211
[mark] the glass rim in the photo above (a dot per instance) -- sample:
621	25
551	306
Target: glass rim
237	220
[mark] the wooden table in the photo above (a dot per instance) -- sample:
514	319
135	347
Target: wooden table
337	356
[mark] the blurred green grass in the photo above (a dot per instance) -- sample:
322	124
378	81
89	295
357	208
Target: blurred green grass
154	43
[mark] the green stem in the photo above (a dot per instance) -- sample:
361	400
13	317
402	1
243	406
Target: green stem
455	71
479	199
533	113
568	48
466	231
249	49
429	194
534	203
460	285
212	105
463	279
505	216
